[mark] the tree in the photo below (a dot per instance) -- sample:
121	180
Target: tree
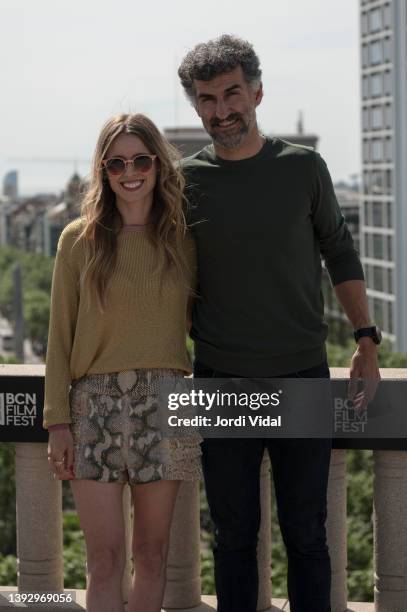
36	280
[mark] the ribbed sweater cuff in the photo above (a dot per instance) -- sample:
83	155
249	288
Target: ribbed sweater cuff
344	268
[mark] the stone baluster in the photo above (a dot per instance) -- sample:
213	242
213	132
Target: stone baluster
39	521
336	529
264	542
183	588
390	531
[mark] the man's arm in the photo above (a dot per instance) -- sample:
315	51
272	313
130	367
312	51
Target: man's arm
346	273
352	296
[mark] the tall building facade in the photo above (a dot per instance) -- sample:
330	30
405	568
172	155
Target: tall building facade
10	185
383	28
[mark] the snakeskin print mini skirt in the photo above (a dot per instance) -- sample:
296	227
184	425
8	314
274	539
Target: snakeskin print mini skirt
116	430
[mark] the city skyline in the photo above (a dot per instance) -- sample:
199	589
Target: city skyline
60	82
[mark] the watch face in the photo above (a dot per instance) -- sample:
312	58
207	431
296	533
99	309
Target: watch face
378	335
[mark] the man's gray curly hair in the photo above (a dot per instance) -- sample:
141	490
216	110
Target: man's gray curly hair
208	60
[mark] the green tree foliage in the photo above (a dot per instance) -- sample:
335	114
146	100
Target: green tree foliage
340	356
7	500
74	552
36	279
36	315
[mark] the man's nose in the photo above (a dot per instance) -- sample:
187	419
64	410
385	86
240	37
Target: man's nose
222	109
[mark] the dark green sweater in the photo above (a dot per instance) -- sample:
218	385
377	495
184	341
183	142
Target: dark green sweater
261	225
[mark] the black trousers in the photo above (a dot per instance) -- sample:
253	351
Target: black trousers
232	479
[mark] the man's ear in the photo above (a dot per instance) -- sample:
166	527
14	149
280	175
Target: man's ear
259	94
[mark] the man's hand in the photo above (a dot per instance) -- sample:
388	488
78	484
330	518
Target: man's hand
364	366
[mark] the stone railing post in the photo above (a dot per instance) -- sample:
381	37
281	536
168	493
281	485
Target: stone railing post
336	529
390	531
264	542
39	521
183	588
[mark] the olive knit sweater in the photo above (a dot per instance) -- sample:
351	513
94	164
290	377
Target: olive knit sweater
143	325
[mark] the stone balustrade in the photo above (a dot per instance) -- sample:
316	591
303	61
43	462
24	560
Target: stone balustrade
39	528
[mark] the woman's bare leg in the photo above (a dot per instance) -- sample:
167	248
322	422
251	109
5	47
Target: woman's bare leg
99	507
153	509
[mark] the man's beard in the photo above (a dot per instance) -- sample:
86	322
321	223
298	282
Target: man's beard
234	139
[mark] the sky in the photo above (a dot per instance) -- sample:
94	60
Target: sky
65	67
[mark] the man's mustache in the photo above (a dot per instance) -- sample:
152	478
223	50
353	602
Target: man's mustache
215	121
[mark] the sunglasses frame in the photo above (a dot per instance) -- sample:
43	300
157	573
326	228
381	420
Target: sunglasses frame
128	161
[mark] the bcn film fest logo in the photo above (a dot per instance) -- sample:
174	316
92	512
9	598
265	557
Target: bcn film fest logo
18	409
347	418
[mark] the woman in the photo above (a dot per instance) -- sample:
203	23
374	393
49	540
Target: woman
122	280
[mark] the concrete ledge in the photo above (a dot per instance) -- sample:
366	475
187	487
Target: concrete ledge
208	604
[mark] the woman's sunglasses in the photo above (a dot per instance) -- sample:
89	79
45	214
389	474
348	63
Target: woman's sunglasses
117	166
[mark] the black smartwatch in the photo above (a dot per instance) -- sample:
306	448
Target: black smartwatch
368	332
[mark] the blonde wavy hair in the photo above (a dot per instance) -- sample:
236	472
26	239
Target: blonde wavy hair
102	220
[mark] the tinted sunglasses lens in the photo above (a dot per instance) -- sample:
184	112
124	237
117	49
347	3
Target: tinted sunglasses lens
143	163
115	166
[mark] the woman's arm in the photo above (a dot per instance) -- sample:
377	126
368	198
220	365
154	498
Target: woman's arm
63	315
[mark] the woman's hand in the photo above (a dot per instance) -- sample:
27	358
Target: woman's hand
60	454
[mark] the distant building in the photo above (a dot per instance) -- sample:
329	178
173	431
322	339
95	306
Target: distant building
384	149
35	223
190	140
24	222
65	211
10	185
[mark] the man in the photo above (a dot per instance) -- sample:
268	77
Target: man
263	211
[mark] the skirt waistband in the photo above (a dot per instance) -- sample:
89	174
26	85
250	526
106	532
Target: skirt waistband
127	381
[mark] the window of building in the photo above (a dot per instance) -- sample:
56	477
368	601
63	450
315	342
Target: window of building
391	318
367	273
388	149
375	19
376	52
365	87
390	248
378	246
368	240
376	85
365	118
388	88
366	182
366	151
388	116
377	117
378	214
390	280
377	182
378	284
367	208
387	16
387	50
377	150
365	55
389	220
364	23
378	311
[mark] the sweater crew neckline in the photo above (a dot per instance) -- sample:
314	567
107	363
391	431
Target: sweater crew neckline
264	151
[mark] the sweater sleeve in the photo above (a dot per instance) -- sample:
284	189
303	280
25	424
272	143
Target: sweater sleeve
335	240
63	315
